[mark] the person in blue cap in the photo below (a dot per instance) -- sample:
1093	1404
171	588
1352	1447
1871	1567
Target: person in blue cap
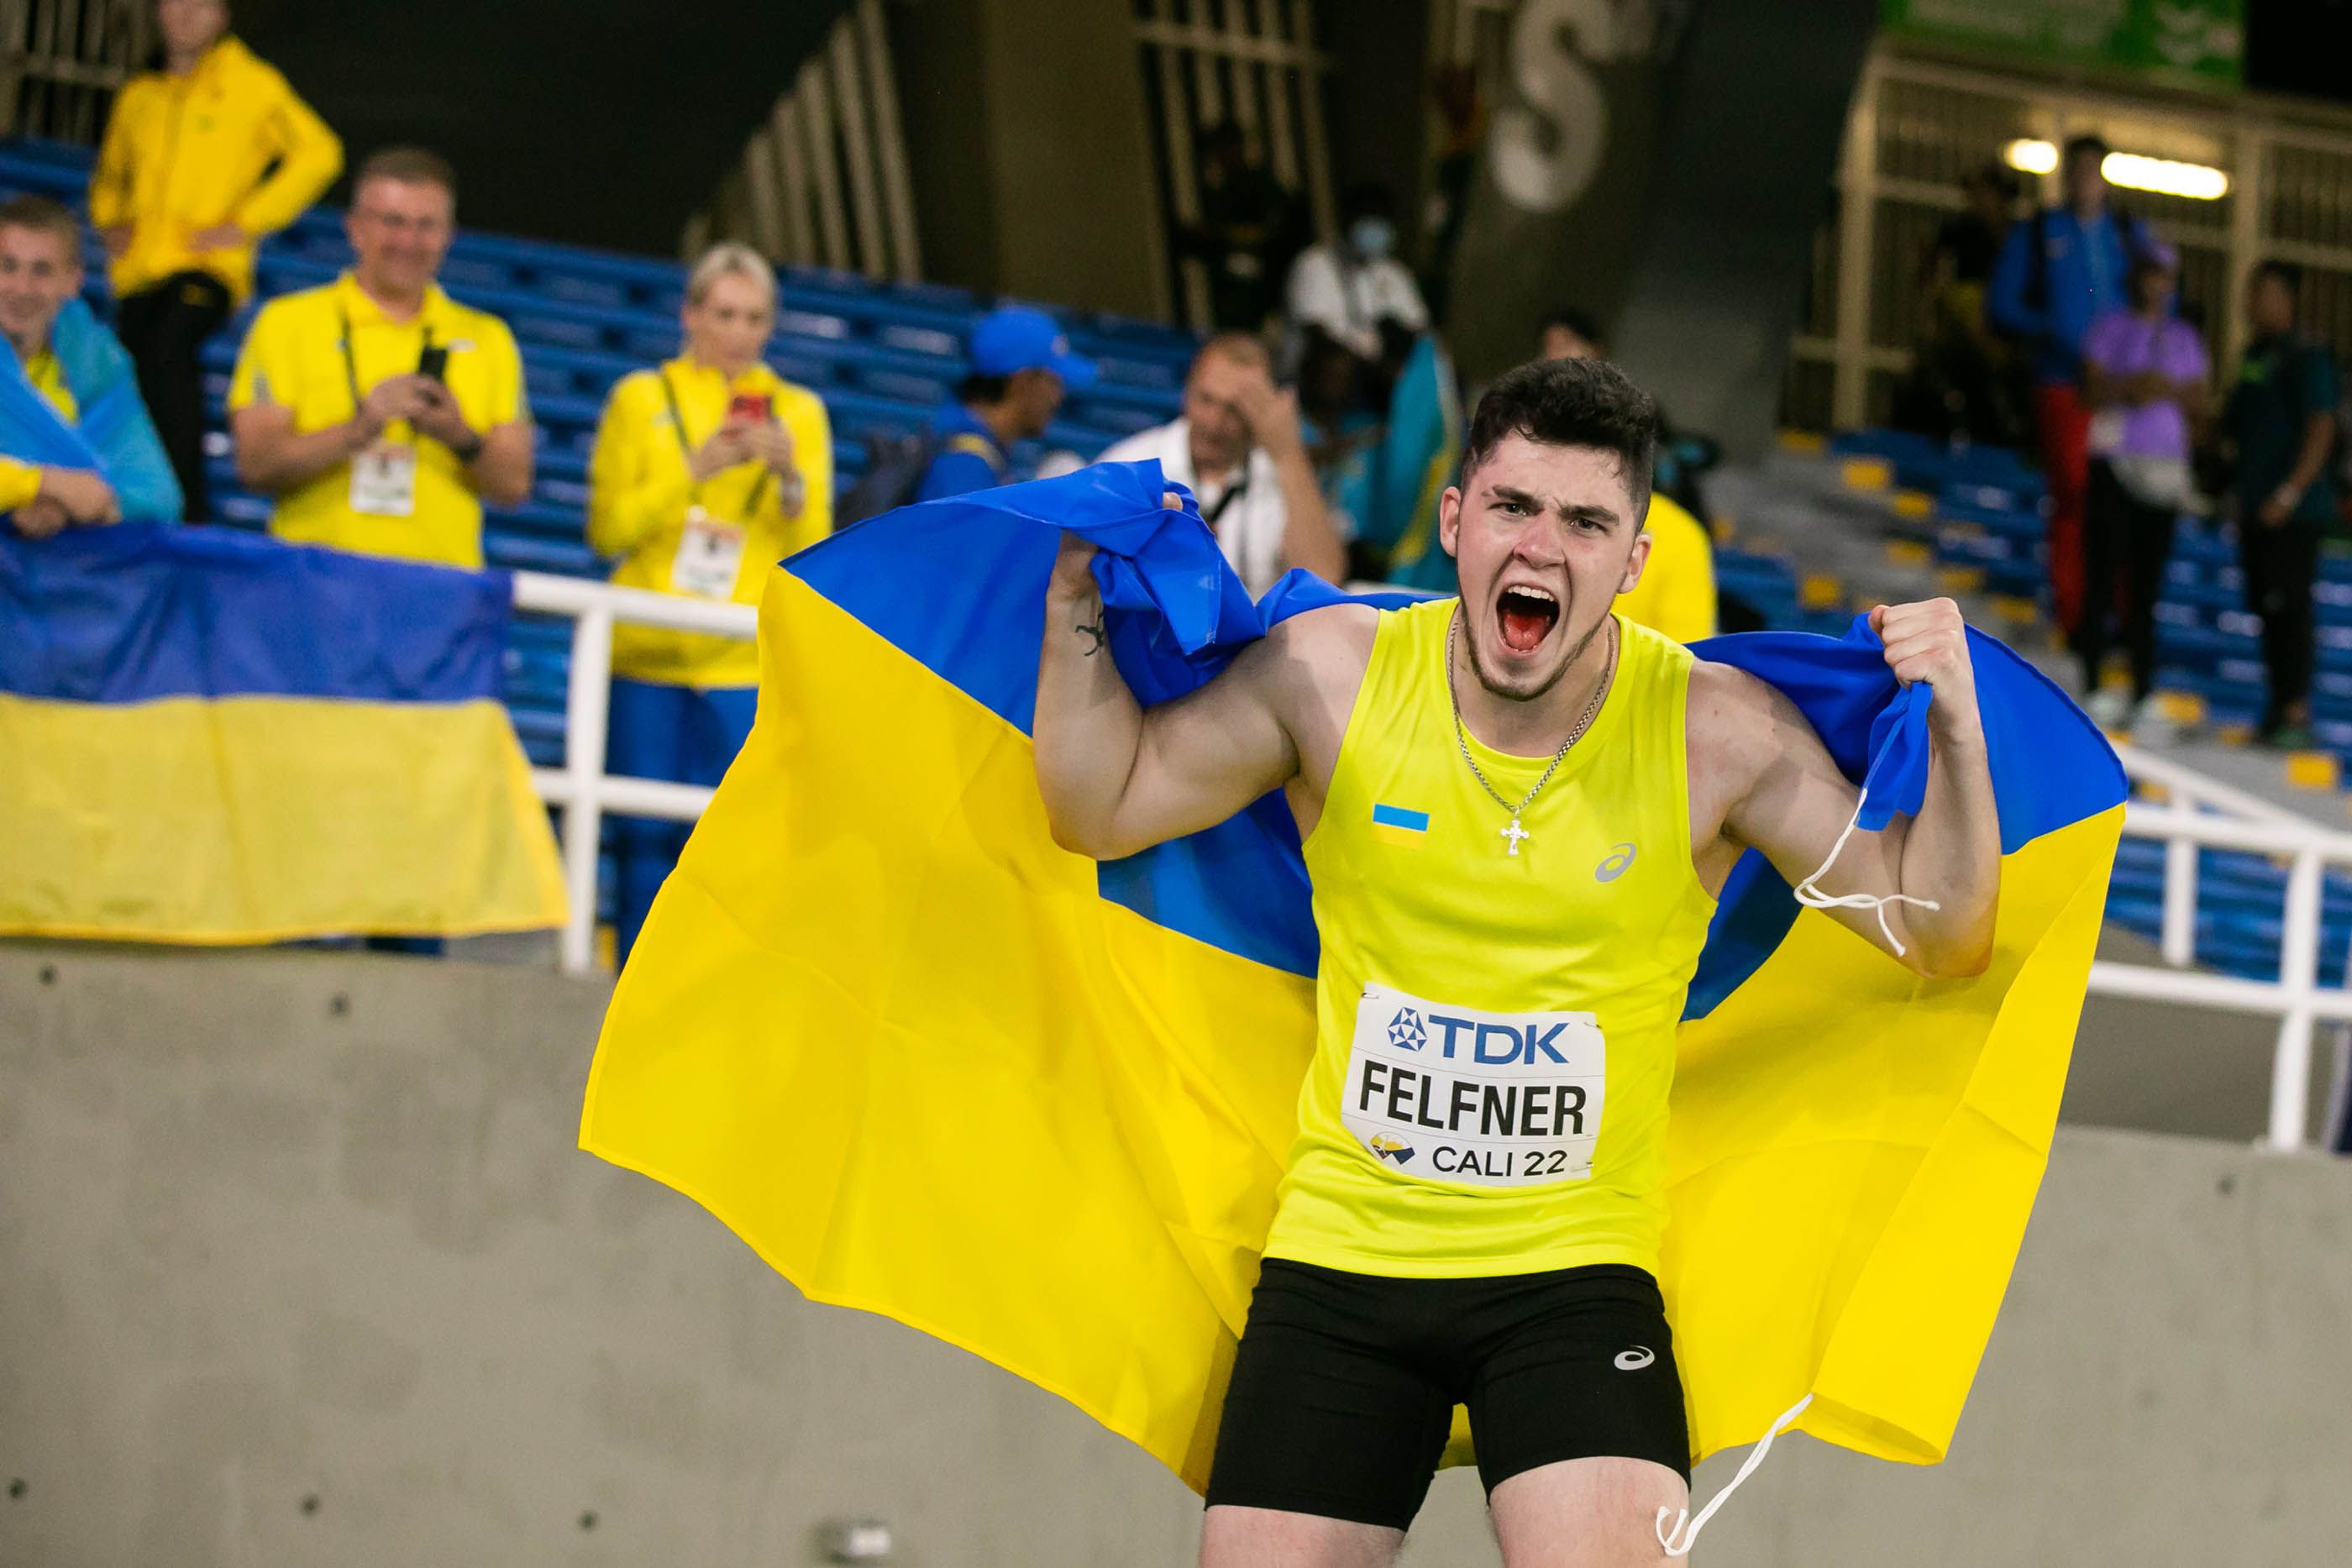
1020	368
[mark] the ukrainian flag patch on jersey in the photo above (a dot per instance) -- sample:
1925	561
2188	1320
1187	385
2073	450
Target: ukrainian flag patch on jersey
1397	825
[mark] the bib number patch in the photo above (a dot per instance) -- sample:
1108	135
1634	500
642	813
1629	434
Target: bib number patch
709	555
383	481
1450	1094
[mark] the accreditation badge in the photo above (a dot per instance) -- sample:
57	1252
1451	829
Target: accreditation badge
709	557
383	480
1447	1093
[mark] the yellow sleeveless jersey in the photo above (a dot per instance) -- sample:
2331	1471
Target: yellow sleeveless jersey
1495	1032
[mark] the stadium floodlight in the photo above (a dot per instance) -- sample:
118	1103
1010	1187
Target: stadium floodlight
2165	177
2031	155
2131	171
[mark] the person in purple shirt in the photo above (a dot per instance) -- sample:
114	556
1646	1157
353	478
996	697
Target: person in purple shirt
2144	372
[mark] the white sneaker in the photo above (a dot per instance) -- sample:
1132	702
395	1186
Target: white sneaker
2109	709
2151	726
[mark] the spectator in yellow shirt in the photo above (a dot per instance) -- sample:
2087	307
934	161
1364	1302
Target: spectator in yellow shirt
377	410
76	445
201	161
708	470
1675	593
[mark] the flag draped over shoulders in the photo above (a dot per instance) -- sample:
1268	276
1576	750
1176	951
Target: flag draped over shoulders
930	1064
112	435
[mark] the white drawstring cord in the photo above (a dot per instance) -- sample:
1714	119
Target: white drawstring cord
1809	894
1685	1534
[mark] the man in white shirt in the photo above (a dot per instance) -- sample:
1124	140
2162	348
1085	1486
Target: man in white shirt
1355	291
1239	450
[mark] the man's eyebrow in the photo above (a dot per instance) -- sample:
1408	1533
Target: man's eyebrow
1512	494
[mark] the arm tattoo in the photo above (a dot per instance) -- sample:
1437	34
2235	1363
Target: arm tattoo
1095	632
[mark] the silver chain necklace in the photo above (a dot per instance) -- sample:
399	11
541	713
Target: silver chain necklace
1516	833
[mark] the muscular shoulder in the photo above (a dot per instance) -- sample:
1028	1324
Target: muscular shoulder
1308	669
1734	728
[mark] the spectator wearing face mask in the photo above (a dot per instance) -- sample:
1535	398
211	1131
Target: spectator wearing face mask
1354	292
1239	450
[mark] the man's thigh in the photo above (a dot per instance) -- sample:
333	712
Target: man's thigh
1586	1513
1235	1537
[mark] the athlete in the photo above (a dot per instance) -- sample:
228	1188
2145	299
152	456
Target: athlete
1517	810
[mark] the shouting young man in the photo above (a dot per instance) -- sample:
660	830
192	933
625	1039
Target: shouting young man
1517	810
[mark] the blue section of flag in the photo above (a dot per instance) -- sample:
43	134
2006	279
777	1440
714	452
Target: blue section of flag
139	613
1176	614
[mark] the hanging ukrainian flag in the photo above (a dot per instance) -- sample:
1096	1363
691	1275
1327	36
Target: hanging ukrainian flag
212	737
931	1065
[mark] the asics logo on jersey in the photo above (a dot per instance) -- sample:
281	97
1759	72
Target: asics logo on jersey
1406	1031
1620	857
1633	1360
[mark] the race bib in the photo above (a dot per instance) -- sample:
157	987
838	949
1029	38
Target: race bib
383	480
1451	1095
709	554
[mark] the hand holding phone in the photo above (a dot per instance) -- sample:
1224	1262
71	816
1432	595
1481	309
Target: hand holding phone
432	362
753	408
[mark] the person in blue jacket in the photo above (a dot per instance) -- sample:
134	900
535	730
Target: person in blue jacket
2059	271
1020	368
77	444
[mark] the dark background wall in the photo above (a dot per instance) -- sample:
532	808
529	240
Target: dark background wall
602	121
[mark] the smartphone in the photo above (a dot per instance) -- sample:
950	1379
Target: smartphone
434	362
755	407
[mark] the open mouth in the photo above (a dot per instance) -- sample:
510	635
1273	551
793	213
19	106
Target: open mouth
1526	614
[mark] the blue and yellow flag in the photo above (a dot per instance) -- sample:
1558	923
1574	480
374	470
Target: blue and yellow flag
212	738
931	1065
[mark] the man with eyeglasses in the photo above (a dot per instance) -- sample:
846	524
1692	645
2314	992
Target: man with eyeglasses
378	412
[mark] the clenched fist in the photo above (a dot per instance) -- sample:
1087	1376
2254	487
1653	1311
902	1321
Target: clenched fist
1929	642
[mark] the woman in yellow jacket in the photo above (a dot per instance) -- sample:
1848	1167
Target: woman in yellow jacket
201	160
708	471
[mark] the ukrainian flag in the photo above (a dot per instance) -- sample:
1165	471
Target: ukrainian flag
212	737
930	1065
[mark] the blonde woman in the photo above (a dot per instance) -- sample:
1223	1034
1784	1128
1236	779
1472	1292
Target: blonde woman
708	470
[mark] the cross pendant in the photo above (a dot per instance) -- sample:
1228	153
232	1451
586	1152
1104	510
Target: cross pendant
1514	834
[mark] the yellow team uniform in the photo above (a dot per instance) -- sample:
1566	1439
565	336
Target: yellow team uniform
716	540
1676	593
318	353
1495	1031
187	153
20	483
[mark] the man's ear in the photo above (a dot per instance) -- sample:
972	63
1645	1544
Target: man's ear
1449	520
1636	562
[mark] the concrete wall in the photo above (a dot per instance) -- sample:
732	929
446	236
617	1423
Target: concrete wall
299	1265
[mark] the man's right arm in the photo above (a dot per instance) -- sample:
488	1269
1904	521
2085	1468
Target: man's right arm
1117	779
2005	293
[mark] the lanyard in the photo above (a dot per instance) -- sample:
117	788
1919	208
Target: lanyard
751	498
351	359
1225	503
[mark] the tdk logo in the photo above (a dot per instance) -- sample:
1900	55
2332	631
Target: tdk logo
1488	1044
1405	1031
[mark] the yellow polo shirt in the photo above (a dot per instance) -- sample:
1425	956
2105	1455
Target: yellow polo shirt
20	483
640	495
1676	593
295	356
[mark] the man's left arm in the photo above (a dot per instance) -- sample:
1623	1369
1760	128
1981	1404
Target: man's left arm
2318	396
497	458
1789	800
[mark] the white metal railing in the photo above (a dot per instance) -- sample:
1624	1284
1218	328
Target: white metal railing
2195	812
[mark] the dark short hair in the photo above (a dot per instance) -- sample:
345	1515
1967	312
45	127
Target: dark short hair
2287	274
979	389
1369	199
2078	145
47	216
1570	403
1571	319
1242	348
409	166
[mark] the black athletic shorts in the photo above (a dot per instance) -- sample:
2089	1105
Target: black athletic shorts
1344	1387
